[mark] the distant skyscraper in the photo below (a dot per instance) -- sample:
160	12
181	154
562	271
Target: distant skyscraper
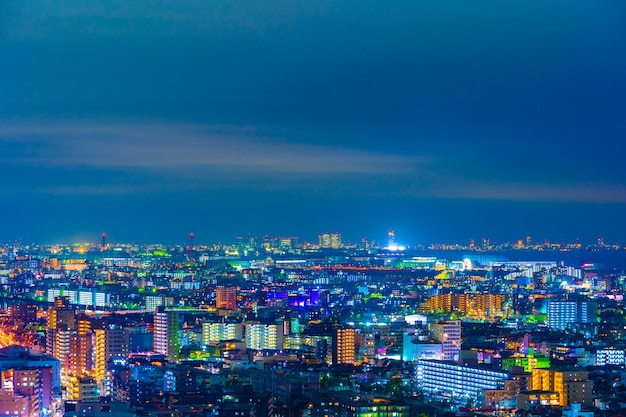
330	241
166	332
391	238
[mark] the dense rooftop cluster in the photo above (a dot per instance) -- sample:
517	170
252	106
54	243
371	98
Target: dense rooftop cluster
273	327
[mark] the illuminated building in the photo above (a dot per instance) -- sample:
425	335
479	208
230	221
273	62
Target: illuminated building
82	388
448	333
483	305
166	332
610	357
78	360
110	343
463	382
571	386
537	399
226	298
330	241
356	406
85	297
343	346
18	405
61	313
217	332
563	314
61	323
529	362
264	336
25	313
414	351
19	357
30	388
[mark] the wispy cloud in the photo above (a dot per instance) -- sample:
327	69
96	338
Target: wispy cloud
185	148
516	191
126	158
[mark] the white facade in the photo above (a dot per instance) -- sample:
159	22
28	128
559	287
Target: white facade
449	379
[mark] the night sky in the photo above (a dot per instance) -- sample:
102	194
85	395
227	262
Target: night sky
443	120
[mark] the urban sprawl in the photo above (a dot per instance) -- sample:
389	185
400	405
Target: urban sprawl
269	327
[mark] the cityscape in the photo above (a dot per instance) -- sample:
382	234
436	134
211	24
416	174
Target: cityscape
272	326
327	208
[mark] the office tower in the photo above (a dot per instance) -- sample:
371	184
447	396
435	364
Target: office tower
343	346
448	333
226	298
571	386
166	332
111	342
562	314
264	336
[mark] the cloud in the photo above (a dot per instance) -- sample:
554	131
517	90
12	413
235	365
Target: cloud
92	158
516	191
186	148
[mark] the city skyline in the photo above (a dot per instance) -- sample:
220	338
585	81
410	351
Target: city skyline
445	122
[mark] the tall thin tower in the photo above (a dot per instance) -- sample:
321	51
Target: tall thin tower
391	238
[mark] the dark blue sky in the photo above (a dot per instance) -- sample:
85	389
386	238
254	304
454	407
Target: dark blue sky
443	120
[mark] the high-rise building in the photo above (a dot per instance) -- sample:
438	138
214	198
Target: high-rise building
79	359
343	346
18	357
30	388
217	332
61	318
110	343
18	405
391	238
166	332
563	314
330	240
226	298
264	336
448	333
82	388
571	386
